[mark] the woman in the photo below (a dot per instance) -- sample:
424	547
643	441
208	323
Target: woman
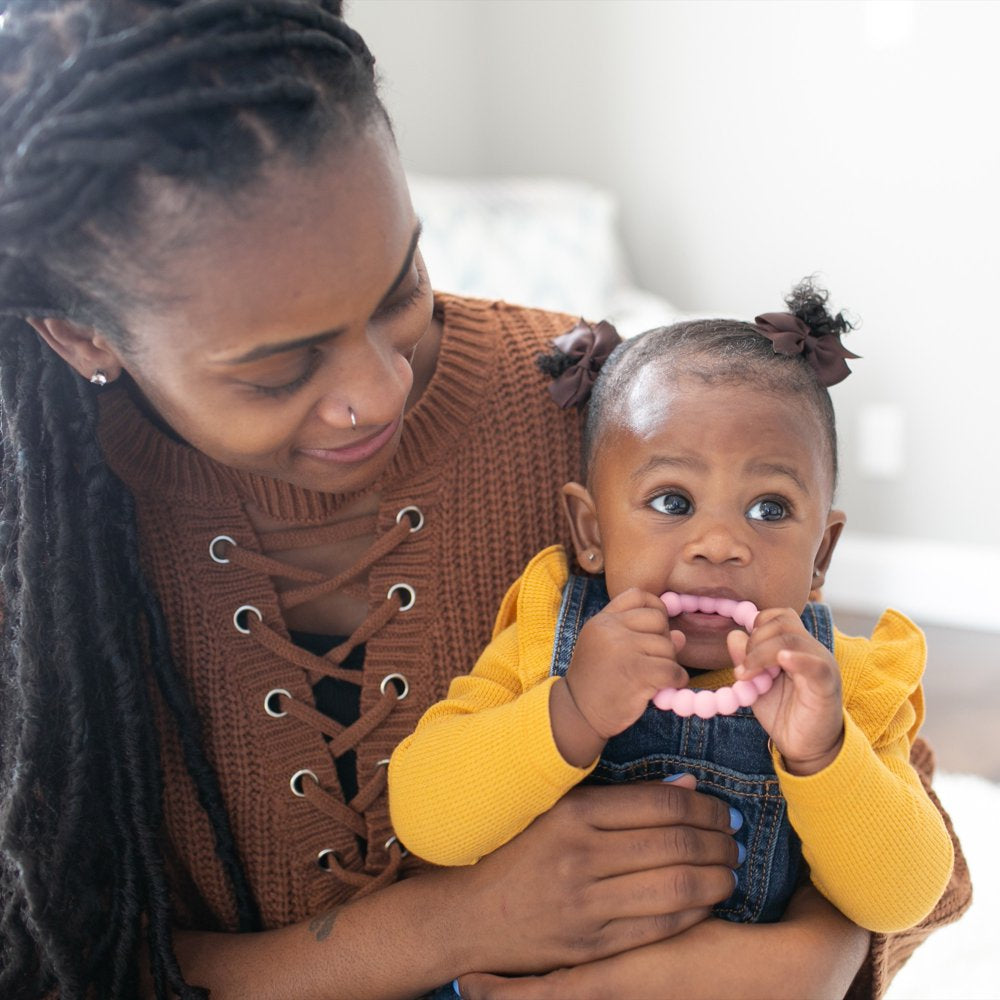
261	493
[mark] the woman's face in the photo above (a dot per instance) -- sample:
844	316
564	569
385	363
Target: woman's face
287	310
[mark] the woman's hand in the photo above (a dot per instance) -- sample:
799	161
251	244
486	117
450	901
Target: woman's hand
607	869
803	712
813	952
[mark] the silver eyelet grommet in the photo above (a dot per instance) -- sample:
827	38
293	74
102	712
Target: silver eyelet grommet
404	588
399	682
295	782
321	858
211	547
416	516
395	840
272	695
239	611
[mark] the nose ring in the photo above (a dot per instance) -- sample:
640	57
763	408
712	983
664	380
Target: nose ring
354	418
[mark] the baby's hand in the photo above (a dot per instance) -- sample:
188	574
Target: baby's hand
803	712
622	657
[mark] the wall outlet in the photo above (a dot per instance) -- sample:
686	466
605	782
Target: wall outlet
881	441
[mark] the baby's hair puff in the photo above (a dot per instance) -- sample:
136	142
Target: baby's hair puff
796	352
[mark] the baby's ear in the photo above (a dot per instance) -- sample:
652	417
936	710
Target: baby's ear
582	515
834	526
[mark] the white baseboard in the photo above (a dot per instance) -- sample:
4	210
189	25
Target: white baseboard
936	583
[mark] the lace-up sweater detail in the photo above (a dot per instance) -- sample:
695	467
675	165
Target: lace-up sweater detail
468	497
279	703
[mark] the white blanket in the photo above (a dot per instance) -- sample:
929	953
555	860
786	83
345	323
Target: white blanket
962	961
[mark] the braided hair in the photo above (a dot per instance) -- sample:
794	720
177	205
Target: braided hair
99	98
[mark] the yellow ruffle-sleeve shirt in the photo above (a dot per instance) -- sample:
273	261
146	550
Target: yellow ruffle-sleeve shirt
483	763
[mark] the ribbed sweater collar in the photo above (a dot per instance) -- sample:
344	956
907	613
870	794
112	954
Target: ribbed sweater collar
151	462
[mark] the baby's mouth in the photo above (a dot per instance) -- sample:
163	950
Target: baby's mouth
743	613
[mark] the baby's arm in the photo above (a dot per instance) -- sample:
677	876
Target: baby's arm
876	845
482	764
509	741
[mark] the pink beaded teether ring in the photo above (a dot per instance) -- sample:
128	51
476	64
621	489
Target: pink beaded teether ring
698	701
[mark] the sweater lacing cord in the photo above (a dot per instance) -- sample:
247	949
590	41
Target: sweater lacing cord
279	702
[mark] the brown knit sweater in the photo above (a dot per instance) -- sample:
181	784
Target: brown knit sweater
482	456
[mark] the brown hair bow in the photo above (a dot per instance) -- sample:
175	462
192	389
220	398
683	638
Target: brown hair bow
824	351
588	347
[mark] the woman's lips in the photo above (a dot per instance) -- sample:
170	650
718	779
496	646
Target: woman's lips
359	451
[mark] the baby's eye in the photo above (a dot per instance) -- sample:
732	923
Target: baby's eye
671	503
767	510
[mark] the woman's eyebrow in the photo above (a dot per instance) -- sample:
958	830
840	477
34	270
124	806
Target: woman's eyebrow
269	350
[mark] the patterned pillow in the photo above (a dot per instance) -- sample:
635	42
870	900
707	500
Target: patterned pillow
538	242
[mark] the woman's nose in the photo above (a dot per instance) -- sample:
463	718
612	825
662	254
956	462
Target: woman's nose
370	388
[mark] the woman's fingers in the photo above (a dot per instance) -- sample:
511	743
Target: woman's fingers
620	852
644	804
598	979
605	869
484	986
664	892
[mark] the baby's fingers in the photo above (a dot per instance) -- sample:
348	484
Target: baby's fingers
819	673
736	643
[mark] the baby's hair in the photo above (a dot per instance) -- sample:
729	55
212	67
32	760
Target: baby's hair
720	350
101	103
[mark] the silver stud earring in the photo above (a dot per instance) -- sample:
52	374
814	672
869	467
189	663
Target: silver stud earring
99	377
354	418
591	556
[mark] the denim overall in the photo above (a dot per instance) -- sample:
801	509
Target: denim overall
728	755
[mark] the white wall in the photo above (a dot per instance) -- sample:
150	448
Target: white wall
751	143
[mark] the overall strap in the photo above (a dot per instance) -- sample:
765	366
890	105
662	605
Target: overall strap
818	619
583	597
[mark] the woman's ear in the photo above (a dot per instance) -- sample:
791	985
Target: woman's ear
834	526
582	515
83	348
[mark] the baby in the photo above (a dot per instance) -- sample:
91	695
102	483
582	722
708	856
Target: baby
711	462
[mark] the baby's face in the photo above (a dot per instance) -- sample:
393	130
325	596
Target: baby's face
715	490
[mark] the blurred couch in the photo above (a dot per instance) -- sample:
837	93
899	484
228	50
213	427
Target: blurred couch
535	241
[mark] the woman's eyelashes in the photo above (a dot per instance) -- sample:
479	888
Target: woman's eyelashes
387	311
408	299
287	388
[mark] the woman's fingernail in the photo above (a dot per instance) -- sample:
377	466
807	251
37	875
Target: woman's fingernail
675	777
735	818
454	986
741	854
736	879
